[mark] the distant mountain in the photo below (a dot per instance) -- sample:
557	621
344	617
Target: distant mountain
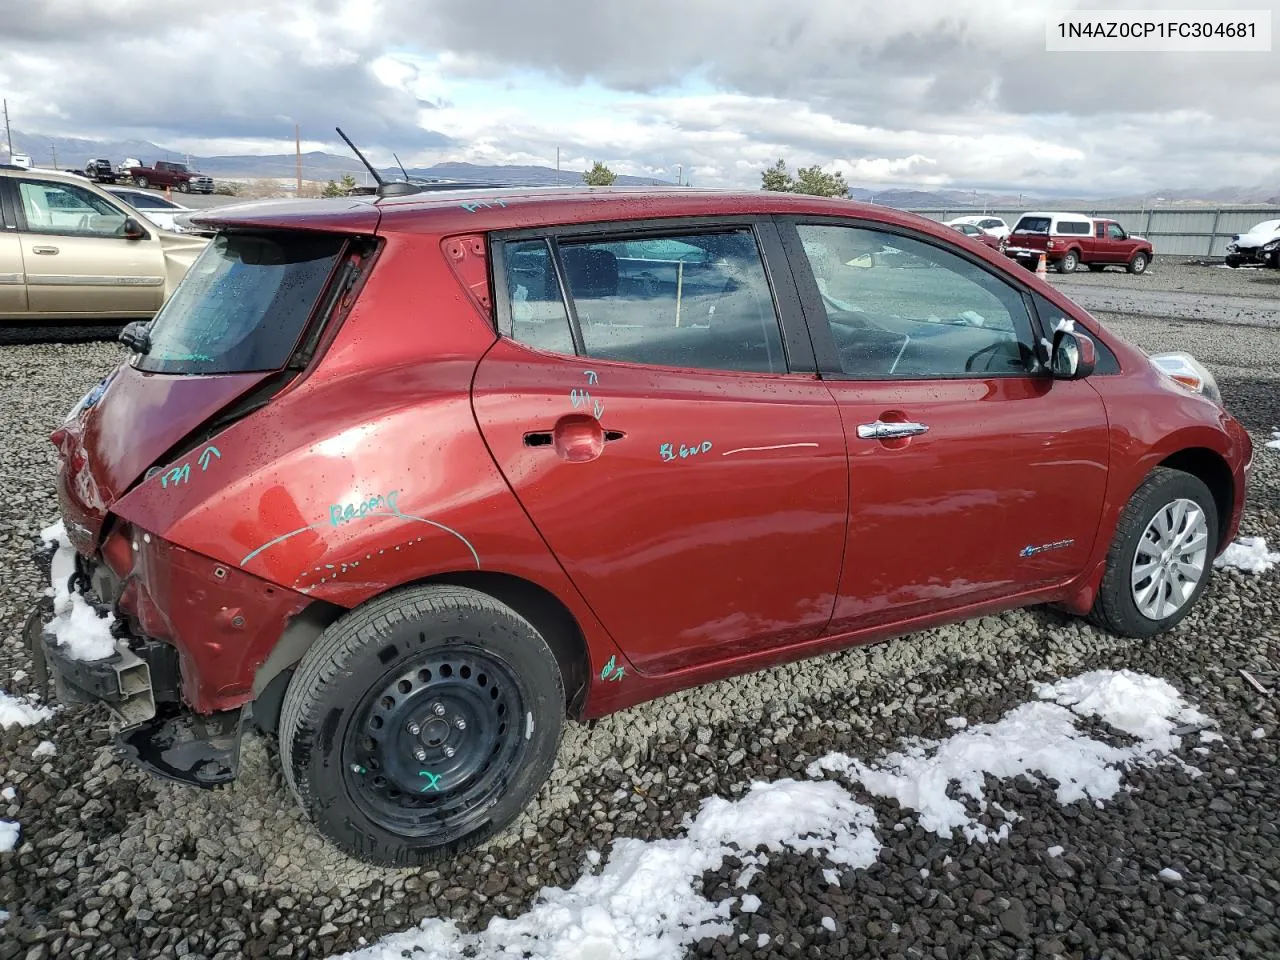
72	152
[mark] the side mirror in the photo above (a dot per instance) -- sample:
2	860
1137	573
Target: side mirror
1073	357
136	336
132	229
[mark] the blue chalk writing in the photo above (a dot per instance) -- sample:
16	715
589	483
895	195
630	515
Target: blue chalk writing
345	513
204	457
598	408
433	780
176	475
182	473
612	670
668	452
591	376
471	206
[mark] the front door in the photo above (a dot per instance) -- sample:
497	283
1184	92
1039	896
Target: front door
973	475
691	484
77	260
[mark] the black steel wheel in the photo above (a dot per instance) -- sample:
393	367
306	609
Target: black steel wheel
432	738
421	724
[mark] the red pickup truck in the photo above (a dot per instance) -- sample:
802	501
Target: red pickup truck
1070	239
175	175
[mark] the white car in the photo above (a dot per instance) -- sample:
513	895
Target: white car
157	209
993	226
1261	245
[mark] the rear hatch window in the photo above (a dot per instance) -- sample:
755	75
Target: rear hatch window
1032	225
243	305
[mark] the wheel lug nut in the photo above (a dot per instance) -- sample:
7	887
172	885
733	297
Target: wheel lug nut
460	723
438	709
414	729
449	752
420	754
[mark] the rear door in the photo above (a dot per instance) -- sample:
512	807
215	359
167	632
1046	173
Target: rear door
77	261
13	288
653	403
974	476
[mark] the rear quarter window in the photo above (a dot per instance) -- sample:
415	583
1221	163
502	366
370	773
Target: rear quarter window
243	304
1075	227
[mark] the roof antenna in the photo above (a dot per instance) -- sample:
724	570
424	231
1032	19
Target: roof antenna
385	189
401	166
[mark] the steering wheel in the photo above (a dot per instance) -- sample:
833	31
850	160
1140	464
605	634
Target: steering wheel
970	364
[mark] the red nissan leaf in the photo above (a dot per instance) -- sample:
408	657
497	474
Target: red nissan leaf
407	481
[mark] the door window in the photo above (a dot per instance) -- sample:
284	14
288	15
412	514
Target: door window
698	301
1115	231
900	308
68	210
538	315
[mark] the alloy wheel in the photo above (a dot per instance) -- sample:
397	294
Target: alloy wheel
1170	559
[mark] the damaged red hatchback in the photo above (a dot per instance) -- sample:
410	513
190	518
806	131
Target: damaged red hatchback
409	480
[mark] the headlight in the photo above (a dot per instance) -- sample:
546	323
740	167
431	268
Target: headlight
1186	371
1273	245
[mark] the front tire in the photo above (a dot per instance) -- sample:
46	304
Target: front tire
184	187
419	725
1138	264
1234	262
1161	556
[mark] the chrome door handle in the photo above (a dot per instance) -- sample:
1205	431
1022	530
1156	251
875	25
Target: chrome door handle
887	430
44	249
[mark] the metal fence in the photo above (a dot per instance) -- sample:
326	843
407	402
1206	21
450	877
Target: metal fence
1202	232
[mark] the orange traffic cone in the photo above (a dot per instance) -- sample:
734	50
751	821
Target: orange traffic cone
168	194
1041	269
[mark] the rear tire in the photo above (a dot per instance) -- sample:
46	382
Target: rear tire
1138	264
1069	262
1152	580
419	725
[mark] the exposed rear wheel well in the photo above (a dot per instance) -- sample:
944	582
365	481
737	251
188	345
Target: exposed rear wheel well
1213	471
549	616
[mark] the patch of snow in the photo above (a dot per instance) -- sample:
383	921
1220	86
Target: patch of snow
1249	554
1169	873
20	711
8	835
46	748
762	941
1208	736
9	794
1038	739
19	676
956	723
924	873
1065	324
76	625
747	875
645	901
1146	707
593	857
1258	733
829	924
1274	442
1201	751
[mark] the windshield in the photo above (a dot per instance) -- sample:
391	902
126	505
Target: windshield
243	304
1266	226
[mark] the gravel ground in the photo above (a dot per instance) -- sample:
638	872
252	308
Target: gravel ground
111	863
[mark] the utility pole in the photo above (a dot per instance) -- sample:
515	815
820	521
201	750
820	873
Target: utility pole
297	143
7	135
54	147
557	159
679	174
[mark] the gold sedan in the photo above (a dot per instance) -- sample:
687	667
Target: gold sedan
69	250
